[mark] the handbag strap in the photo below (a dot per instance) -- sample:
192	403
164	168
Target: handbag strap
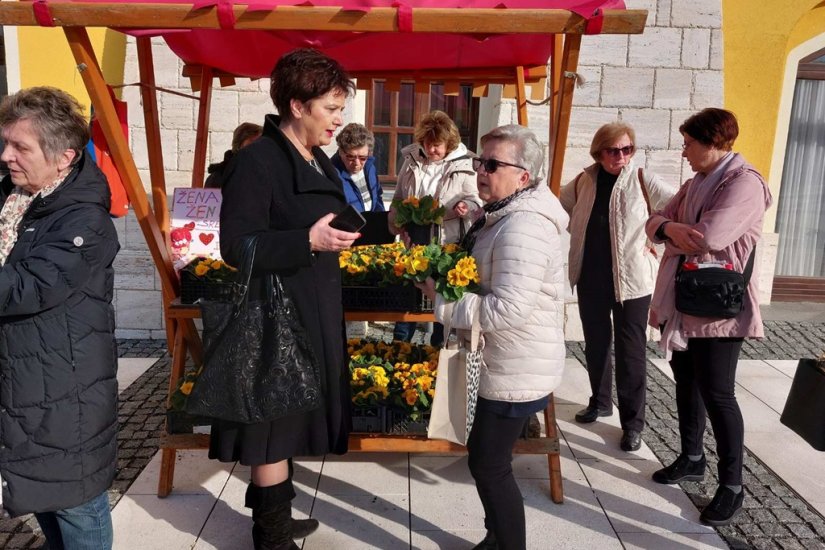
249	244
644	190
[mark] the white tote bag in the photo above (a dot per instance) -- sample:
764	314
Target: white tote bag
456	388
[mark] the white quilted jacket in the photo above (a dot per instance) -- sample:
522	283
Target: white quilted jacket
520	306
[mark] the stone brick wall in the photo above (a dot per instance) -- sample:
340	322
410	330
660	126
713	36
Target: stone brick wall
653	81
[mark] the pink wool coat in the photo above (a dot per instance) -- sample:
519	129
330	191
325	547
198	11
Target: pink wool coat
731	221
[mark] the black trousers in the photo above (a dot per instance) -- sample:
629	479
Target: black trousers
490	456
596	303
705	381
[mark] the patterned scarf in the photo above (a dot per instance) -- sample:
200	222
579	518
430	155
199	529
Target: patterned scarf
15	207
469	240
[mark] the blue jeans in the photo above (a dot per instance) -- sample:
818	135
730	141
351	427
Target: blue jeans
404	331
84	527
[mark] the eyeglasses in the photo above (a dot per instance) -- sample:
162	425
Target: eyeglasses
614	152
353	158
491	165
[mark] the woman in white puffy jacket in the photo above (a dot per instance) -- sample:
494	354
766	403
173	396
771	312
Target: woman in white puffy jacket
520	310
613	265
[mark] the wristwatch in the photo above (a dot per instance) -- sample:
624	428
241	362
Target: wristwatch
660	233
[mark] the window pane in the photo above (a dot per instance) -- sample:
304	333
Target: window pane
402	141
437	99
380	104
382	153
461	111
406	105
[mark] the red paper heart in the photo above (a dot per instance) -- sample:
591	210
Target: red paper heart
190	225
206	238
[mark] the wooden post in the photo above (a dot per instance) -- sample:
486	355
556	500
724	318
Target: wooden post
149	99
521	96
558	133
553	459
96	86
202	136
555	81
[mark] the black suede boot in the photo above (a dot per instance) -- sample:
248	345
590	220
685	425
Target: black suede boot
271	516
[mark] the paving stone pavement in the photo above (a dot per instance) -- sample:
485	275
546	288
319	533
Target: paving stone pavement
774	517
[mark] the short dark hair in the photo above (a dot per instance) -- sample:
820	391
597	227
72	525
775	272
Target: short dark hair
712	127
437	127
243	132
305	74
354	136
56	116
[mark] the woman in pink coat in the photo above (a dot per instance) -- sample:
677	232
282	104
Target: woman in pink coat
716	216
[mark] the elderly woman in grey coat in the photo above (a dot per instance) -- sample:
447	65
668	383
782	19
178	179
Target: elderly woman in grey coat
520	311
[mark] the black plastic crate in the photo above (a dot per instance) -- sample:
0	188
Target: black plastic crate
181	422
385	298
192	288
399	422
369	419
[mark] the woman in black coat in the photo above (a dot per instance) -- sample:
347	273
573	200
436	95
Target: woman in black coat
284	189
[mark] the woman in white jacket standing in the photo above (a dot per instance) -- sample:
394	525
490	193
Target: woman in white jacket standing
520	310
437	164
613	265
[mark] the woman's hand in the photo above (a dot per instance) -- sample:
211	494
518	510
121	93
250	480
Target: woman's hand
460	209
391	222
323	238
685	237
427	288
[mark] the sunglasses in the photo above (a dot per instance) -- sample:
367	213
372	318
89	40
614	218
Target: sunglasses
491	165
353	158
614	152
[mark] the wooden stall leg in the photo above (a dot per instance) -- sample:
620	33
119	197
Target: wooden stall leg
167	471
553	459
167	464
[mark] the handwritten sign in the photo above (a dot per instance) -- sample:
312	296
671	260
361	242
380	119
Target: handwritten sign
196	215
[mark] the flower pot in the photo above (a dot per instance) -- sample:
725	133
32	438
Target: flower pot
399	422
421	234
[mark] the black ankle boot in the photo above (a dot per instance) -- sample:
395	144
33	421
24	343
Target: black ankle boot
271	516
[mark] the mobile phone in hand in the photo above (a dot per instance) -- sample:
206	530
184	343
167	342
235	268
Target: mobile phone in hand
349	220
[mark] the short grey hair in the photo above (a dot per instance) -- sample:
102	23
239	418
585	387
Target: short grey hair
55	116
529	150
354	136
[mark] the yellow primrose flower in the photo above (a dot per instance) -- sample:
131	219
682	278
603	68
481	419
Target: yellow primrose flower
186	388
411	396
201	270
217	264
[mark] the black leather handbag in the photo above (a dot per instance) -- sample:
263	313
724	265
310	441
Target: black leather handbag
804	411
713	292
258	362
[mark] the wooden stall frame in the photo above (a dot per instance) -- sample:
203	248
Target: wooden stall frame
184	340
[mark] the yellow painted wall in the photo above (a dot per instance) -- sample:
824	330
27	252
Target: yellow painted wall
46	60
757	39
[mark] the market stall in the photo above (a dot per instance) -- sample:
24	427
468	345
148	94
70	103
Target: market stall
481	42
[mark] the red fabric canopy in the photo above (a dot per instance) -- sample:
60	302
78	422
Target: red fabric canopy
253	53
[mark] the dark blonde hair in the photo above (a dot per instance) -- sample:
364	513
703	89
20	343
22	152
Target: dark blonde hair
712	127
243	132
55	116
607	136
438	127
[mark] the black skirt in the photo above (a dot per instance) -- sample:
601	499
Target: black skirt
315	433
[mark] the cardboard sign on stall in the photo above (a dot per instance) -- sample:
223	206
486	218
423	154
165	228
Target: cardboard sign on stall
195	224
